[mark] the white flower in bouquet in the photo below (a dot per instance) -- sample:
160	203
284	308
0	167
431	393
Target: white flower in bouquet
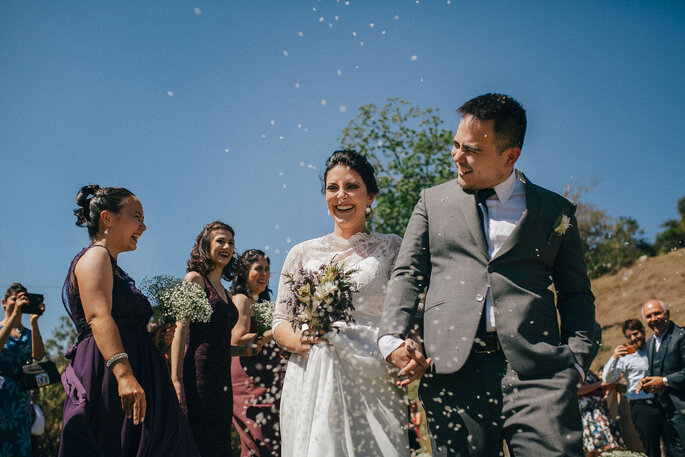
322	297
263	312
186	301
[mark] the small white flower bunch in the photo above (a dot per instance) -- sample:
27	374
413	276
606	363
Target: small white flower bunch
562	224
186	301
263	312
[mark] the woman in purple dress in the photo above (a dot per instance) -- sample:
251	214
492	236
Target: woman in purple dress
201	352
119	396
257	379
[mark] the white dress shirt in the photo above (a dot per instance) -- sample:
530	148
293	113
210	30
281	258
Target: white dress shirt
505	209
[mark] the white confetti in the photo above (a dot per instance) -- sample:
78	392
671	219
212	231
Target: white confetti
339	72
321	19
300	34
302	164
277	226
414	57
361	43
297	85
197	11
285	53
272	122
226	150
323	102
288	240
397	17
372	25
170	93
280	174
342	108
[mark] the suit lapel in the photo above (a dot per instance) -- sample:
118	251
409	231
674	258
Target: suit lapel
467	204
650	354
528	219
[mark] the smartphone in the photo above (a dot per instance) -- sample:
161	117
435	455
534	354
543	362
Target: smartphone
35	300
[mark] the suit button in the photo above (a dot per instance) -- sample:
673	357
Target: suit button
479	297
489	269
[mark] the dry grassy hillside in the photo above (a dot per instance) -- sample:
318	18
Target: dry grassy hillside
620	296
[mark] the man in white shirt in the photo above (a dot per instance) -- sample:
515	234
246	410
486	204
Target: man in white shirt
631	361
486	248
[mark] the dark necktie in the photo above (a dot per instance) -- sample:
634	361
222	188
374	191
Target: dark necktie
482	207
481	196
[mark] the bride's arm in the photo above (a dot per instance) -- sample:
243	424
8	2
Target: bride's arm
286	336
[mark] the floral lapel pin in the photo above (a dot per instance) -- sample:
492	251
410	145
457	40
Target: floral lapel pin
562	224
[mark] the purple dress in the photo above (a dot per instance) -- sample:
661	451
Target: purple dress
207	377
257	383
93	421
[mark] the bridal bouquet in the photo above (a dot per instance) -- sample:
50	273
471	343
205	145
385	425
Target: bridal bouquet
185	301
321	297
153	289
263	312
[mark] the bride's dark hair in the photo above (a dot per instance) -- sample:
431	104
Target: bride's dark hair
93	200
357	162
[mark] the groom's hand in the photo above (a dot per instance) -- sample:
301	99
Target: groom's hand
410	361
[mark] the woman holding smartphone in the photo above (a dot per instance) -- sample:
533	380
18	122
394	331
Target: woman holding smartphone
18	345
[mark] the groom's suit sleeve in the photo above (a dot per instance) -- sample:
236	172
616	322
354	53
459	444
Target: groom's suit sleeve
410	276
575	301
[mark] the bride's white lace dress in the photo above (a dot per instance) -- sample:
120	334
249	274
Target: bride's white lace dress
341	399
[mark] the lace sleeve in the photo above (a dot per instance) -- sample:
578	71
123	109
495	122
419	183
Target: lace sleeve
293	262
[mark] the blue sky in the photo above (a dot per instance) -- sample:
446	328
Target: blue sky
228	109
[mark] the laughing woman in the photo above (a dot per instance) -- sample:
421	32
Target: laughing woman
119	397
201	352
257	379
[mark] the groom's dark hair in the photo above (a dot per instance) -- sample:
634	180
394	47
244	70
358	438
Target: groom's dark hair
508	114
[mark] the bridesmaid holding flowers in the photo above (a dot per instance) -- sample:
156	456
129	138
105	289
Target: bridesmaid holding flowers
201	351
256	379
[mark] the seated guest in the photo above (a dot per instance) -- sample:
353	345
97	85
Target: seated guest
600	432
630	360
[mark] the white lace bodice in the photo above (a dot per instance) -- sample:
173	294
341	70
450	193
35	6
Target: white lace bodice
372	254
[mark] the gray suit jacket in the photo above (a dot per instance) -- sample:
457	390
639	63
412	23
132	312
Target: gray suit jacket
444	249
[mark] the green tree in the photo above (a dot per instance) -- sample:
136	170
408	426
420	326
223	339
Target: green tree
608	243
409	150
673	236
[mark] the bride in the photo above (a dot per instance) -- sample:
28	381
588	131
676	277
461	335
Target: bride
339	396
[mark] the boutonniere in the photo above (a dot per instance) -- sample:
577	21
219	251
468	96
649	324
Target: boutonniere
562	224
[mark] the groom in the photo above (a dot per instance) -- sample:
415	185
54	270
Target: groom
493	252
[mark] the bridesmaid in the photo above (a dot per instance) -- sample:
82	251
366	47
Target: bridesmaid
257	380
119	397
201	352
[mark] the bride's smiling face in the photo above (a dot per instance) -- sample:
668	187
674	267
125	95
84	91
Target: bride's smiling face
347	199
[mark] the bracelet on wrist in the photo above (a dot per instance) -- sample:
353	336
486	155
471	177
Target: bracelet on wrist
116	358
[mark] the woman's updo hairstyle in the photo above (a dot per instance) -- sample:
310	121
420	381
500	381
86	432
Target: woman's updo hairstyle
93	200
357	162
245	261
200	259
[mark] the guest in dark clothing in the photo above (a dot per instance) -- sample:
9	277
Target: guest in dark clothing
257	379
666	379
201	352
119	396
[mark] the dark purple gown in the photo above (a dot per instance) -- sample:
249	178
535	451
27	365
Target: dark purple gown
93	421
207	377
257	383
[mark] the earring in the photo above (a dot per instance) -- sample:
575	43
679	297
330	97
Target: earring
329	212
367	210
107	231
369	213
